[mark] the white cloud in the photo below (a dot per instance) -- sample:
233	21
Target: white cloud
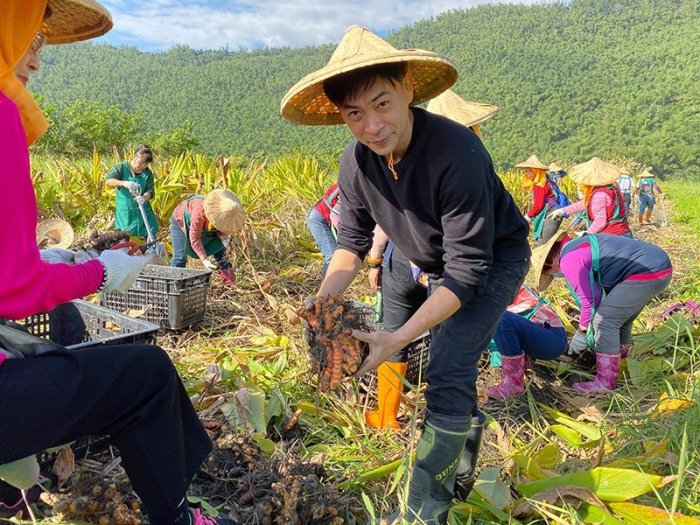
269	23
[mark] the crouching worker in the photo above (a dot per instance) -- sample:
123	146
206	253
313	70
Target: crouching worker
50	396
431	186
528	328
202	226
612	278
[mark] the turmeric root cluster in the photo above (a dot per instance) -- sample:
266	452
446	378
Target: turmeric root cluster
335	353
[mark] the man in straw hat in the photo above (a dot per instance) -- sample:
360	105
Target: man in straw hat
611	290
430	185
131	393
602	200
202	226
546	197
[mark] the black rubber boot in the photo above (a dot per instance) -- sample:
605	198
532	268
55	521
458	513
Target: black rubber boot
466	471
437	456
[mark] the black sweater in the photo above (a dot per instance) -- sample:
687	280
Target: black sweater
448	212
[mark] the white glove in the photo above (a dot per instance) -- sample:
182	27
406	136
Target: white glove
139	199
57	255
578	343
556	214
209	265
21	474
132	187
121	268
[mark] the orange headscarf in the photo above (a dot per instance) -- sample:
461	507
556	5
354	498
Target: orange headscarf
540	179
587	191
19	23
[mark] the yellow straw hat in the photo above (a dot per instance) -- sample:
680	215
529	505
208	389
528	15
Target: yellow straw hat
595	172
307	103
225	211
624	171
646	173
449	104
54	233
539	257
532	162
554	167
75	20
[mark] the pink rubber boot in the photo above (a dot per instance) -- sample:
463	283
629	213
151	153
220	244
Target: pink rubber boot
513	383
606	368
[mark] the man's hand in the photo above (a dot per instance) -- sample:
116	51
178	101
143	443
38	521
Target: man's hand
132	187
375	278
382	345
578	344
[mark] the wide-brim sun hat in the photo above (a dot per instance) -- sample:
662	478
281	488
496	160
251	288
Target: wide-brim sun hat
449	104
225	211
54	233
554	167
645	174
75	20
532	162
306	102
539	257
595	172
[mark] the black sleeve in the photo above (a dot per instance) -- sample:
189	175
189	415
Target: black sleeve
356	224
467	203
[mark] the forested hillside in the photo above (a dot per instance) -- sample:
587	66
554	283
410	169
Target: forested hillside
613	78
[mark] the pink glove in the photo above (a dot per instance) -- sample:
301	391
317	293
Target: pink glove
229	276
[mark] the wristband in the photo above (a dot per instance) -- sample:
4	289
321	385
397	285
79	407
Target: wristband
104	276
374	262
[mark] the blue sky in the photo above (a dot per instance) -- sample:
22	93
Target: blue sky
236	24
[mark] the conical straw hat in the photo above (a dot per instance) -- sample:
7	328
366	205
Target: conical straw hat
539	257
449	104
554	167
532	162
595	172
54	233
645	174
225	211
624	171
74	20
307	103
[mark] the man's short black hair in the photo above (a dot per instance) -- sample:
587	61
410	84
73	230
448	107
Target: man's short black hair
341	88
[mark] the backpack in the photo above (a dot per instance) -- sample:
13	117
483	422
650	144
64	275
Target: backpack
561	199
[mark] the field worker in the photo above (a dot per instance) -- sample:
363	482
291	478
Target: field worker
431	186
320	222
602	200
611	290
202	226
646	189
529	328
546	198
403	285
131	393
555	173
626	185
135	187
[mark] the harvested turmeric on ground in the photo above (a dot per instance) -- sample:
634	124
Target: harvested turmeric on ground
334	351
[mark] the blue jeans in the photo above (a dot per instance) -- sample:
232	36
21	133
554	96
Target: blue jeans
646	202
458	342
180	242
516	335
322	234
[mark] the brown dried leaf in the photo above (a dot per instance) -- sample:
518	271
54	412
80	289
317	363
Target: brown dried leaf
64	465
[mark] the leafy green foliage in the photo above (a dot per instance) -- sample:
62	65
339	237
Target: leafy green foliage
612	78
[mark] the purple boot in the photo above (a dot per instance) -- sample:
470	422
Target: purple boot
606	368
513	383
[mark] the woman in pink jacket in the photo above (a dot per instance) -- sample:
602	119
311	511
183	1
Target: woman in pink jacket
131	393
602	200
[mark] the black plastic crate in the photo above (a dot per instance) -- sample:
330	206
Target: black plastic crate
79	324
172	297
417	350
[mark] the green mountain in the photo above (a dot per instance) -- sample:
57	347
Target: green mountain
612	78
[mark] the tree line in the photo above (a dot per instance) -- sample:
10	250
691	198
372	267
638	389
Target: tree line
612	78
